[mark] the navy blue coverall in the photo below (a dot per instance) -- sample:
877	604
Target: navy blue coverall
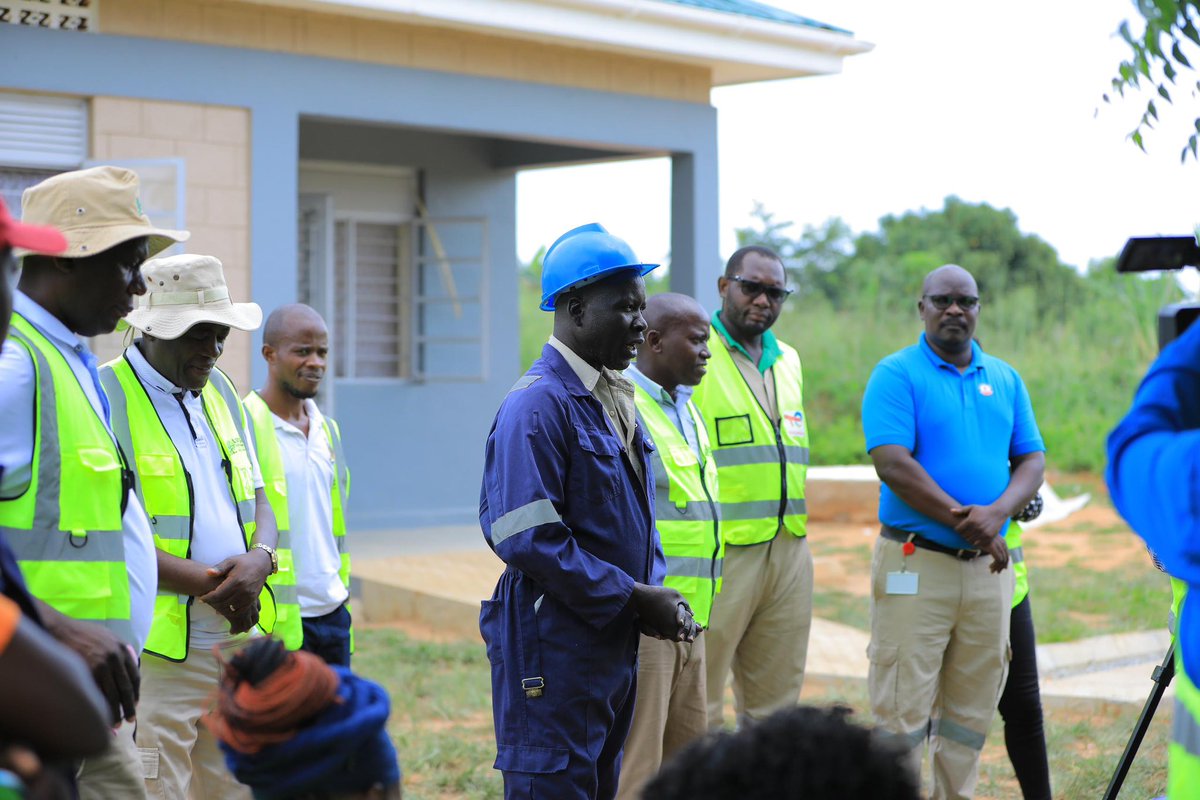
562	506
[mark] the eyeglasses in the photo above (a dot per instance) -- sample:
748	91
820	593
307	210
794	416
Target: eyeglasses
753	289
943	301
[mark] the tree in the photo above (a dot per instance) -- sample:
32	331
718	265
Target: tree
1158	57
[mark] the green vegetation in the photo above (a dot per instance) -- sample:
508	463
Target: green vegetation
1081	342
441	719
441	724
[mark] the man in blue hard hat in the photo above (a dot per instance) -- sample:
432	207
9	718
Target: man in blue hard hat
568	503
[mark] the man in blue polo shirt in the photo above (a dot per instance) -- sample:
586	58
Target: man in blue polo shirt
954	441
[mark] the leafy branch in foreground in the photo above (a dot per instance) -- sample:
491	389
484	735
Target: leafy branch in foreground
1158	60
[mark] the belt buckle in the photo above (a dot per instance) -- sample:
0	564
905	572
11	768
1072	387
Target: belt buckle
533	686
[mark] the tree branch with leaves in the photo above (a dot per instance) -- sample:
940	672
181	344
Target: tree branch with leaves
1158	61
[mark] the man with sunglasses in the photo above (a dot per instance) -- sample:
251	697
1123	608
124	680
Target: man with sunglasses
752	404
953	437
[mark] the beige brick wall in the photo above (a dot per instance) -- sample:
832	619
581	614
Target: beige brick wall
215	142
241	24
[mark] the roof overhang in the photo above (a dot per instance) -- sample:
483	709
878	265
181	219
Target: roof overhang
737	49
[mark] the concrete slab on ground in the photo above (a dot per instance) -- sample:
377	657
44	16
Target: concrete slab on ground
443	591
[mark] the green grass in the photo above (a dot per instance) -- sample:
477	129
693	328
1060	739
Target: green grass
441	718
1081	368
1075	602
844	607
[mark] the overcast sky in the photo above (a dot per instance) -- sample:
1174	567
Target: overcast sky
992	102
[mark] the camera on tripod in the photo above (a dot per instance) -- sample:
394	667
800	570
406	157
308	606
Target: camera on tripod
1161	253
1155	254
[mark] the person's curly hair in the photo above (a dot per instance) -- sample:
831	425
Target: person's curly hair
800	753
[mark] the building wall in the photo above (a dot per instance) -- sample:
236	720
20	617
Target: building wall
240	24
214	141
425	440
384	422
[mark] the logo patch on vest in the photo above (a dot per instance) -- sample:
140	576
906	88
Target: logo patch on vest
234	446
793	424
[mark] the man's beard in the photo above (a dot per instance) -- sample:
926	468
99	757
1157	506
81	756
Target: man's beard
299	394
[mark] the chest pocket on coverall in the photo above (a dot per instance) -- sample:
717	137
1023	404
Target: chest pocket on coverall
598	477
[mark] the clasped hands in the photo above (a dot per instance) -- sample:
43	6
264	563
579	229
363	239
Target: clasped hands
664	614
981	526
237	583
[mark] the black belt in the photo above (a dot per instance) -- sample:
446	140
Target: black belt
897	535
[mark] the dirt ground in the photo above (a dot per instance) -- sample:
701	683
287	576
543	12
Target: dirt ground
842	551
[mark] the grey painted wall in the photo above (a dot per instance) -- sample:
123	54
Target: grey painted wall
416	449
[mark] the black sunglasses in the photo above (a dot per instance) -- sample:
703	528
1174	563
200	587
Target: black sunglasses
753	289
943	301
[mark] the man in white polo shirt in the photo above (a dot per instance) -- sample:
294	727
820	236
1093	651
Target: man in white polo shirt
300	453
82	539
198	479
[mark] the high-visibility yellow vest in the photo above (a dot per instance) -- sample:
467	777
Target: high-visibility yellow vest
1016	554
686	513
66	528
165	489
270	463
1183	753
761	466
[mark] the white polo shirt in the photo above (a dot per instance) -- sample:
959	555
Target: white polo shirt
216	534
309	468
17	398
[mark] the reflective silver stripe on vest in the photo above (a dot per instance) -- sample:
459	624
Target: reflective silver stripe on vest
667	510
246	508
46	508
339	463
948	729
121	628
42	544
530	515
167	526
1185	731
759	454
284	541
284	593
760	509
693	567
1017	555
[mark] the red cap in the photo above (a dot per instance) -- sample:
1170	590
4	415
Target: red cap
34	238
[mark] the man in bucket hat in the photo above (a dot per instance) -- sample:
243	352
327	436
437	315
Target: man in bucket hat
199	480
82	539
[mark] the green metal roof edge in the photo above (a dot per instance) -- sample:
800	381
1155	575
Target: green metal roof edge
749	8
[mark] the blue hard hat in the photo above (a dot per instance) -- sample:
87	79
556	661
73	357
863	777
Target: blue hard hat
584	255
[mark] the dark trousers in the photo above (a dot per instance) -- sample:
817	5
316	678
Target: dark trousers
328	636
1021	709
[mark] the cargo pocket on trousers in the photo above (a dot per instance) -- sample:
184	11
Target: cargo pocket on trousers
884	683
534	760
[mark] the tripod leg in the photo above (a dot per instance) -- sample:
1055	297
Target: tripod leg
1162	679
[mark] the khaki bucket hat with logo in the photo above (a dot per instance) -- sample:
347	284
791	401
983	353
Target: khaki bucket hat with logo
187	290
96	209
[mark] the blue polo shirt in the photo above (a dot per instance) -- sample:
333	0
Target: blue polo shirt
961	427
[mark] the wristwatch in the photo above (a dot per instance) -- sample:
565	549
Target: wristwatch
271	552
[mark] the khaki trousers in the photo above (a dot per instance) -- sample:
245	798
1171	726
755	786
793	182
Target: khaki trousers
670	711
117	772
939	659
180	756
759	628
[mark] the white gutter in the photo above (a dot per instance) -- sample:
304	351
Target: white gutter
735	47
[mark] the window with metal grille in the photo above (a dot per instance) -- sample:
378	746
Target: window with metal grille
66	15
372	298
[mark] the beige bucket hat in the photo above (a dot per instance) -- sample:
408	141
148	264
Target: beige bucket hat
186	290
96	209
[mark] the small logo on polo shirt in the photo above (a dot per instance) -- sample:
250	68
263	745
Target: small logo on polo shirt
985	389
